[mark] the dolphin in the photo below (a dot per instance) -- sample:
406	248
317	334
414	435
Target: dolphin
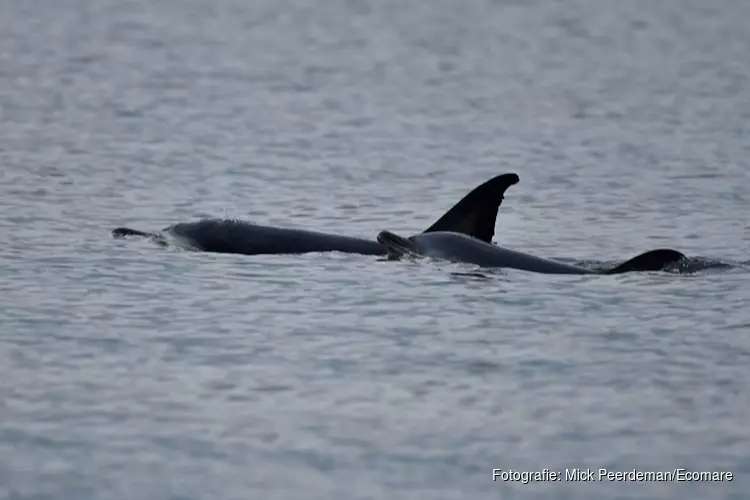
457	247
475	215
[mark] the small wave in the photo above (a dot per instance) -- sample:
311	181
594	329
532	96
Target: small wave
691	265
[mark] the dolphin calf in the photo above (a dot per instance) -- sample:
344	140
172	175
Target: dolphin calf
475	215
457	247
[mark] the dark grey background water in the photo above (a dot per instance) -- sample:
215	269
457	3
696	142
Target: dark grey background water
129	371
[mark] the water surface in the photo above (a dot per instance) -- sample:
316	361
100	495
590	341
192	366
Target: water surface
130	371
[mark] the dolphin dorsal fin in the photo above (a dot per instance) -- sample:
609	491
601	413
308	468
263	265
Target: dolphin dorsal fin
476	213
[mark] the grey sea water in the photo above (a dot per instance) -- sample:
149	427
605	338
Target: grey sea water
131	371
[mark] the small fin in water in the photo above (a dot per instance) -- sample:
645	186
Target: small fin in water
476	213
397	246
653	260
122	232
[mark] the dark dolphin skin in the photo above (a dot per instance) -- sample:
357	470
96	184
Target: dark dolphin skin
474	215
457	247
